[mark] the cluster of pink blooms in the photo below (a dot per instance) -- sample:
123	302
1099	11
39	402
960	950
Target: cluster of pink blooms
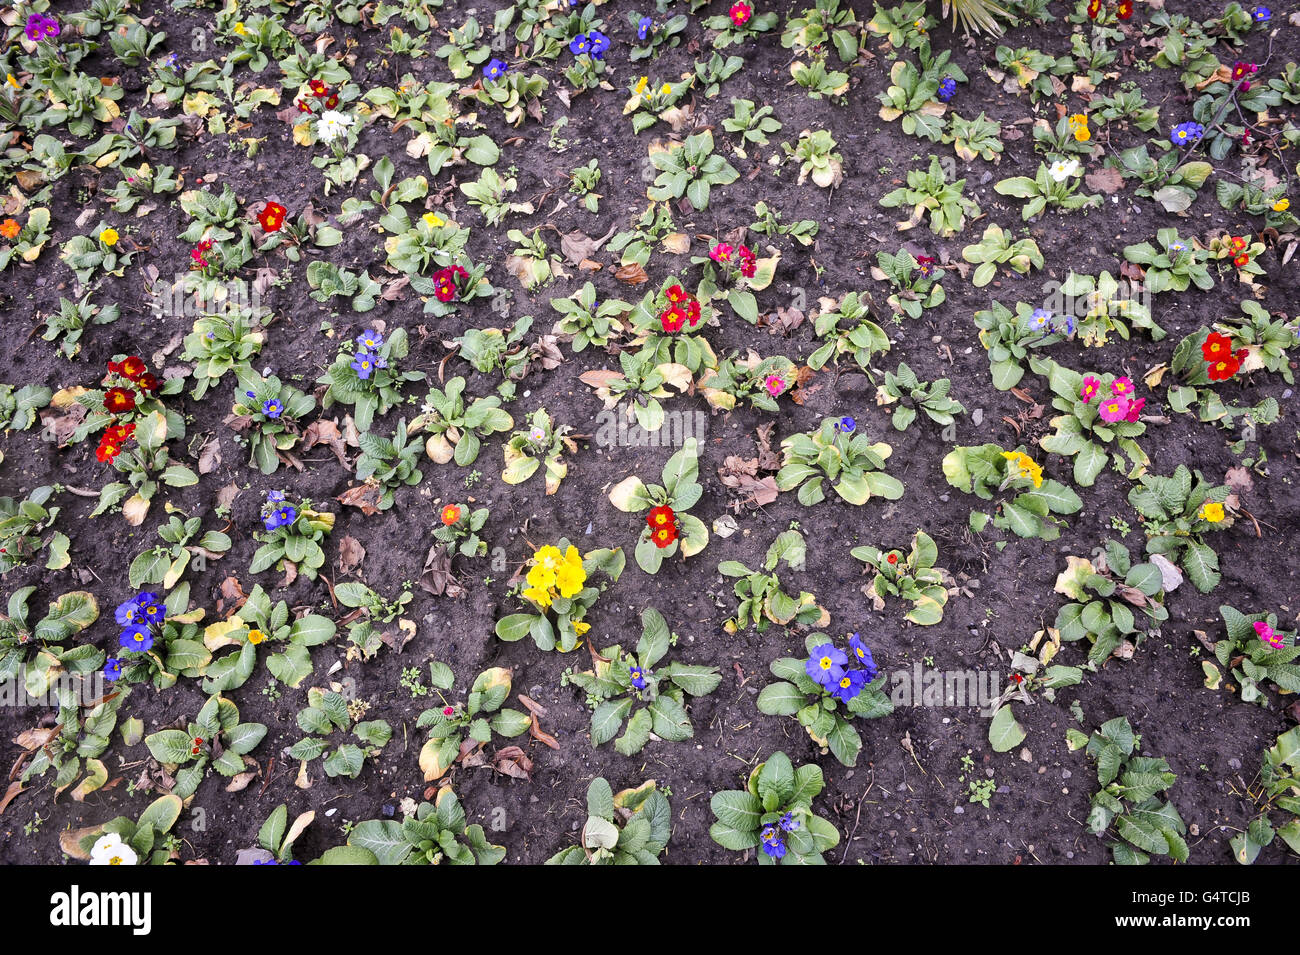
1119	405
725	254
1269	635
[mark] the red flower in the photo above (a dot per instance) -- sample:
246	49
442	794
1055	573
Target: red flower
1125	9
131	366
303	105
748	262
1241	261
119	434
332	101
148	382
107	450
271	218
672	319
318	87
892	558
693	313
444	282
1223	369
740	13
662	516
1094	8
118	401
676	294
1135	409
1236	243
1216	347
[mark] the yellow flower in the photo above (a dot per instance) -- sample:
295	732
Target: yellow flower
580	628
548	557
239	28
538	596
1282	205
1082	134
570	580
641	85
540	576
1028	468
433	220
12	82
109	237
1212	511
1077	120
665	90
255	637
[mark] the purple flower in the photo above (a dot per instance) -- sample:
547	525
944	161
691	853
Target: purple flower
580	45
1186	133
643	28
272	408
495	69
41	27
1262	14
846	425
947	89
638	677
128	613
370	340
826	665
364	365
862	654
773	844
112	669
151	607
599	44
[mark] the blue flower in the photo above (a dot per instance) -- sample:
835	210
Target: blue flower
1041	319
579	45
151	608
495	69
1262	14
138	639
112	669
274	496
371	340
272	408
789	823
1175	249
128	612
599	44
638	677
846	425
826	665
947	89
1066	325
862	654
363	364
274	517
773	844
1186	133
643	28
848	686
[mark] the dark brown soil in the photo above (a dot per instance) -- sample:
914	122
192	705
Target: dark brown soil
892	807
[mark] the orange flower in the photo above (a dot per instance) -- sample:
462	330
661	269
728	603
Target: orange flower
450	514
10	228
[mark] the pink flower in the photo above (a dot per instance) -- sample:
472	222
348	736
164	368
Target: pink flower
1114	409
748	262
1121	386
1269	635
1135	409
774	384
1091	385
721	252
449	711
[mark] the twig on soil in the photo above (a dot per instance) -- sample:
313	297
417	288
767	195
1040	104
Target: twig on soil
858	818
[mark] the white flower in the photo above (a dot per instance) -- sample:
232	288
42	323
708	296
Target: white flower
1061	171
109	849
331	125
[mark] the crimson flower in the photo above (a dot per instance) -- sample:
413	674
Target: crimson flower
672	319
118	401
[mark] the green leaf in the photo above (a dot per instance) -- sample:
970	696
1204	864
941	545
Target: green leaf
1004	732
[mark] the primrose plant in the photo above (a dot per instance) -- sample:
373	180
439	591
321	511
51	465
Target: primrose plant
827	689
631	827
774	812
626	688
668	525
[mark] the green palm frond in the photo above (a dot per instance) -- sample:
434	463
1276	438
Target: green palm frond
977	15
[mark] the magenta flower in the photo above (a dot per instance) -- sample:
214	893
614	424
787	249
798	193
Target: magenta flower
1135	409
41	27
1114	409
1121	387
1091	385
1269	635
774	384
721	253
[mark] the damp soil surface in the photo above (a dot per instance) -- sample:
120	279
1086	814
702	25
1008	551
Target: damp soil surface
907	799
